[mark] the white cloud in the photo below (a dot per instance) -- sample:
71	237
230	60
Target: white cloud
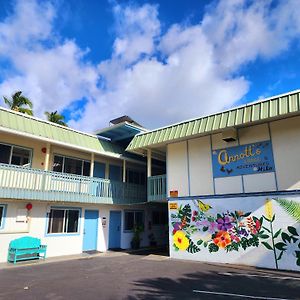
156	78
49	70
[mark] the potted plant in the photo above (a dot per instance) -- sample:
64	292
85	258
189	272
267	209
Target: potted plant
136	239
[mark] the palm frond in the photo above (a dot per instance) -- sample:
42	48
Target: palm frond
7	102
25	111
55	117
291	207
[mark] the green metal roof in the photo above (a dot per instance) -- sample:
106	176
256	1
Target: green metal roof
55	133
264	110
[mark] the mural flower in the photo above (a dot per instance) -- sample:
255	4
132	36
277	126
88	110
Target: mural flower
180	240
269	209
222	239
224	223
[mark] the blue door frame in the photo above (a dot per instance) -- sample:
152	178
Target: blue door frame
114	241
90	234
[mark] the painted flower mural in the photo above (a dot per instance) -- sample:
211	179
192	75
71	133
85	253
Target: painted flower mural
234	230
180	240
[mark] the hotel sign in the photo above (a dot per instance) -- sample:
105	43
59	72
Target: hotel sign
243	160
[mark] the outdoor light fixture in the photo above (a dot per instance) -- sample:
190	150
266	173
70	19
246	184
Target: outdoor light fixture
229	135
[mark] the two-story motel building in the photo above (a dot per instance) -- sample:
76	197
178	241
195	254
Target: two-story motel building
231	179
75	191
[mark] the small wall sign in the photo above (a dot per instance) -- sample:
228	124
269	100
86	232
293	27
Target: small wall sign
242	160
173	205
104	221
173	193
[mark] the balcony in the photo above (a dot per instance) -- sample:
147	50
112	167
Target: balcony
33	184
157	191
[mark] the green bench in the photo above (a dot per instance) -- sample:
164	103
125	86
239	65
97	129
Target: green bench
26	248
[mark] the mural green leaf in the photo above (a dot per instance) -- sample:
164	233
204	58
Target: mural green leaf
277	233
285	237
291	207
268	246
280	246
213	248
199	242
280	255
264	236
192	248
292	230
265	228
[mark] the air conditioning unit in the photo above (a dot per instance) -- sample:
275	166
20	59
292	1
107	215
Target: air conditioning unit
229	135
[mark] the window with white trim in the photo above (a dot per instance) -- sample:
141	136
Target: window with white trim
15	155
71	165
63	220
133	218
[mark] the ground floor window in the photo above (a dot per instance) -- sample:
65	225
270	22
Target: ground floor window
132	219
159	217
62	220
2	211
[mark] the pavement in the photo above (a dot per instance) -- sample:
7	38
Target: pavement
142	275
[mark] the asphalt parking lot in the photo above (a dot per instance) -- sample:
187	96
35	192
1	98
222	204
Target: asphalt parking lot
145	276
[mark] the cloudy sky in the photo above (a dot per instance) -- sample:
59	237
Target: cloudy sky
158	62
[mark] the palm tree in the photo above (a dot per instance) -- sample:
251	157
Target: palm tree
55	117
17	103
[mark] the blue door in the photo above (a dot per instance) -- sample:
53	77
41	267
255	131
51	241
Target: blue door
114	230
90	230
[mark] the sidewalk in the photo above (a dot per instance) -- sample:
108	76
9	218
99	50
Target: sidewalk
84	255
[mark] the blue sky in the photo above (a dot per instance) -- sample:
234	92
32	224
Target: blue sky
158	61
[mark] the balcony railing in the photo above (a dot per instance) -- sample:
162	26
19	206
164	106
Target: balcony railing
33	184
157	188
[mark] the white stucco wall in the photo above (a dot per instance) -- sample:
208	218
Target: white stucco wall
285	138
68	244
286	147
177	177
201	182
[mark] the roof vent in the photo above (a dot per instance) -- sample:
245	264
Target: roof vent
229	135
124	119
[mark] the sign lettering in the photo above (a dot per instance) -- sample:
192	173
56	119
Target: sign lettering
242	160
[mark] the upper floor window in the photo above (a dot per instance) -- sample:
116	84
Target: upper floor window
15	155
71	165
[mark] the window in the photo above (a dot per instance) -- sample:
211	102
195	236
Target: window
63	220
65	164
133	218
2	211
159	217
14	155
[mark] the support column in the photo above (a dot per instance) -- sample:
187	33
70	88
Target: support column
107	170
92	165
47	157
124	170
149	163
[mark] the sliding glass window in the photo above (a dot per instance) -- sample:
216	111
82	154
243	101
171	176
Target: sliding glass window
71	165
15	155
